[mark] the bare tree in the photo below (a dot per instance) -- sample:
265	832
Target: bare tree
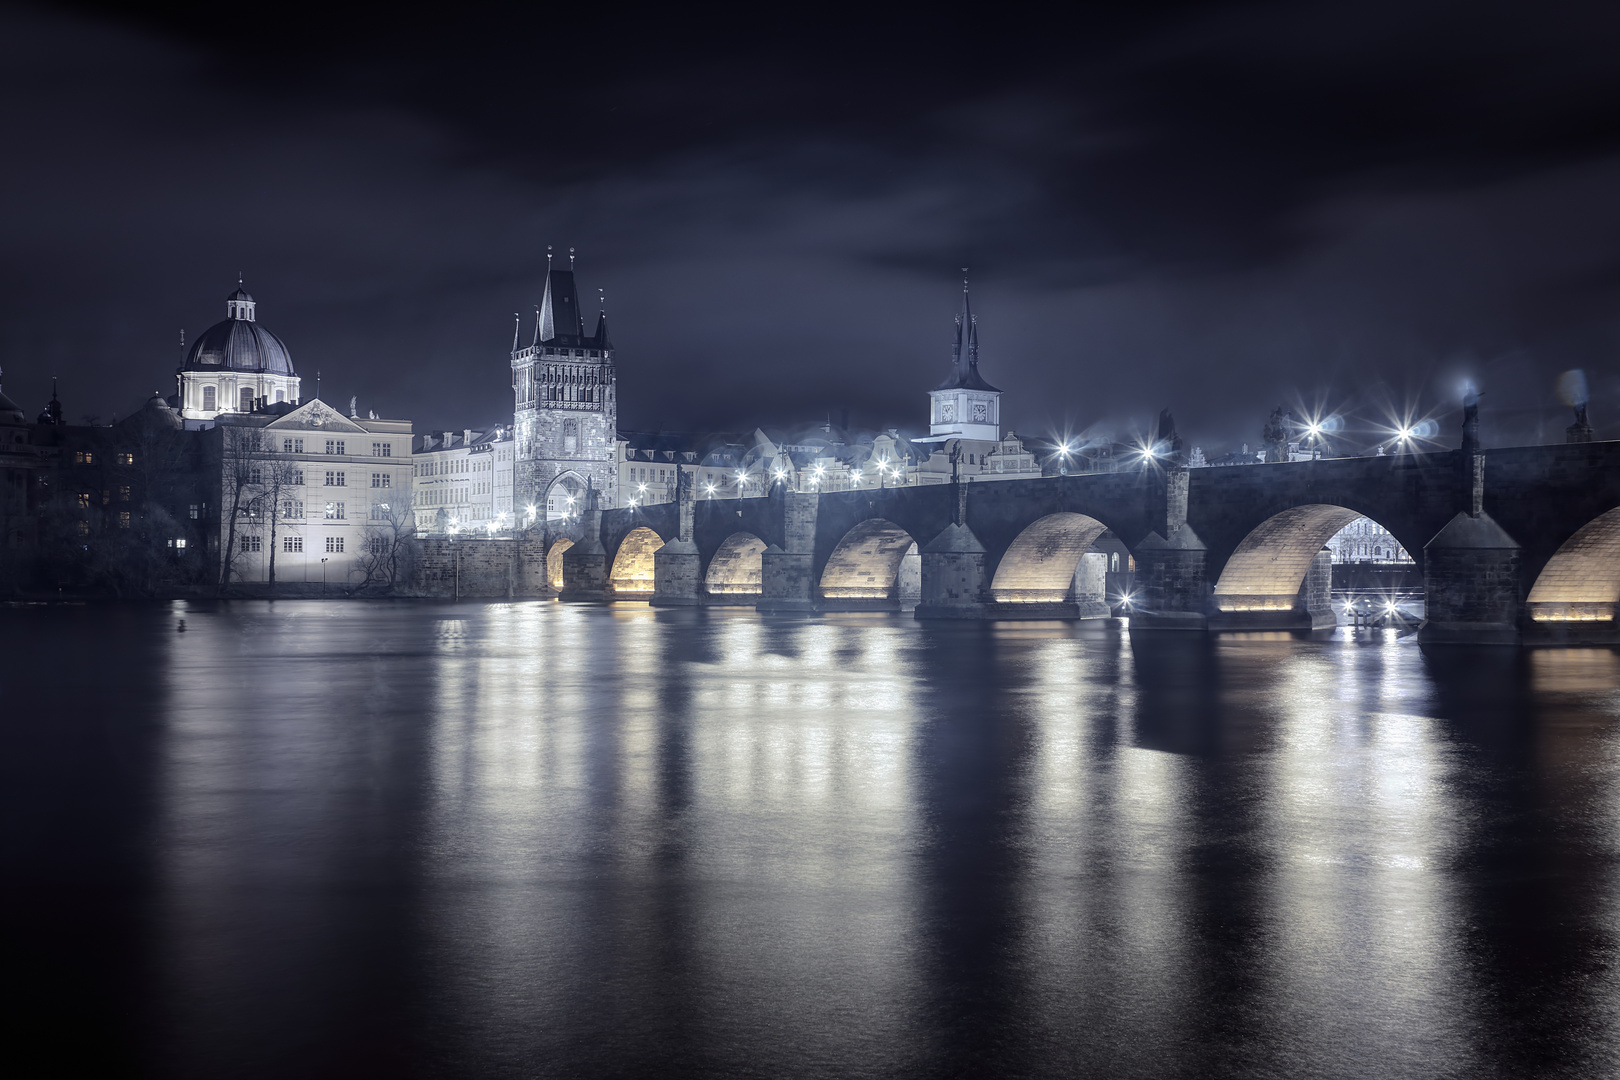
387	546
243	452
279	480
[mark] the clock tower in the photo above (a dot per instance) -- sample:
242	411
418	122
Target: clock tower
964	406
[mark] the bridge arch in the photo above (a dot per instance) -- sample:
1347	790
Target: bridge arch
865	567
737	568
1268	567
1039	565
554	563
632	573
1581	582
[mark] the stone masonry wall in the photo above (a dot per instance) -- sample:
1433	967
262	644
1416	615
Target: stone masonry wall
488	568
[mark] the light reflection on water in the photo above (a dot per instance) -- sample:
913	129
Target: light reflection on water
544	839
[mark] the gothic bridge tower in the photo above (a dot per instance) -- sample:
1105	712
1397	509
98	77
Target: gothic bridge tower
566	406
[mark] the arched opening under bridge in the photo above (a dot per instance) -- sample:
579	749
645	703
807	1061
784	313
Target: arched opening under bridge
1581	582
1046	563
554	563
738	568
633	565
1282	573
876	564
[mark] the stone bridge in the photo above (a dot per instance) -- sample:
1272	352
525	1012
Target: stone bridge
1512	543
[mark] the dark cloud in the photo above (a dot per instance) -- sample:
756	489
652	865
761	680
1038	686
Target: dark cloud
1210	209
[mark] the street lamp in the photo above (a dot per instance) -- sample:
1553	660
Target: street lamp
323	577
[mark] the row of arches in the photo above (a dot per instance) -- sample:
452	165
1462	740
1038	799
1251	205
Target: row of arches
878	561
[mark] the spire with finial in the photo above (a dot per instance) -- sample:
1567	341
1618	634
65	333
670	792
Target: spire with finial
570	258
965	349
601	340
517	326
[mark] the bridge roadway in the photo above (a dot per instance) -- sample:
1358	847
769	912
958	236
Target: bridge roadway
1514	544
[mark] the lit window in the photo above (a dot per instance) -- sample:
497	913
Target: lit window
123	519
84	500
123	493
196	511
126	458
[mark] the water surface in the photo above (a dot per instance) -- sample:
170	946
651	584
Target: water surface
534	839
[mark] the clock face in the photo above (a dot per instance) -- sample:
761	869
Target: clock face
979	411
947	413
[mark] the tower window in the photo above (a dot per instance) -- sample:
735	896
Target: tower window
208	399
570	436
246	398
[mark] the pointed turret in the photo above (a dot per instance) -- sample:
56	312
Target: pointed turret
965	352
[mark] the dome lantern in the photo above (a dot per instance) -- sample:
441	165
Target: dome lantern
239	304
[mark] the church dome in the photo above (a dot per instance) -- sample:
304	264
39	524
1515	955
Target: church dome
239	343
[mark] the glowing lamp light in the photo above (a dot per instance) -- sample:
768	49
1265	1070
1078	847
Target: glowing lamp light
779	474
855	476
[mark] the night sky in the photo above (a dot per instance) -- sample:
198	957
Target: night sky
1214	210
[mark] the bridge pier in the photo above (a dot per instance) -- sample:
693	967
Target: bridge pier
1171	582
954	582
1471	584
788	572
678	565
677	575
585	567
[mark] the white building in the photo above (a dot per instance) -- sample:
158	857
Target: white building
1364	540
308	489
235	366
463	480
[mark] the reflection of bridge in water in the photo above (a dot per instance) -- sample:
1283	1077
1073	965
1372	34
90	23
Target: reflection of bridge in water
1506	543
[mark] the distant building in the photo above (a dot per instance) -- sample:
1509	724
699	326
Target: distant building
1364	540
463	480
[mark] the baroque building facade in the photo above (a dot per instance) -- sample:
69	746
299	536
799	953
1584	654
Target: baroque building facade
565	407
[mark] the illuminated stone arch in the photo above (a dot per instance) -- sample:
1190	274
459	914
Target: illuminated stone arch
1581	582
737	568
1269	565
632	573
1040	563
554	563
866	565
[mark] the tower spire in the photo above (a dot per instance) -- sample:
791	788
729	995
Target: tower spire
517	325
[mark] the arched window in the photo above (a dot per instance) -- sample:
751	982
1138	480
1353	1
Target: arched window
208	399
570	436
1113	563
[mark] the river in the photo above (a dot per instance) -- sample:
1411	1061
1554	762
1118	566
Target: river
534	839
